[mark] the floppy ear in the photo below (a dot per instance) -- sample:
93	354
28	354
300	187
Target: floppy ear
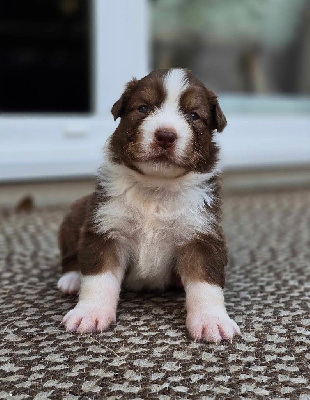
218	118
119	107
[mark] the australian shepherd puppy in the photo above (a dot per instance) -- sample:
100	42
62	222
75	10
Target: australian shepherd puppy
154	218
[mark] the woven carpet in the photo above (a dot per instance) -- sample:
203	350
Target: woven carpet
148	353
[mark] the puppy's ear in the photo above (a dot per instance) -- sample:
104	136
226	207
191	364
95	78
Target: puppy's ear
218	118
119	107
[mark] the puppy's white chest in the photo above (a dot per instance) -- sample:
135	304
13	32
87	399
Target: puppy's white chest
150	224
147	230
156	249
151	246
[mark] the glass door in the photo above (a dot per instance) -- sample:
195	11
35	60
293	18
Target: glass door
45	56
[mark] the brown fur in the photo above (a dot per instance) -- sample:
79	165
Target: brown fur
203	258
125	144
97	253
82	249
197	98
70	231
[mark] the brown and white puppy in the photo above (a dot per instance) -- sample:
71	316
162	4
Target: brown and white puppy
154	217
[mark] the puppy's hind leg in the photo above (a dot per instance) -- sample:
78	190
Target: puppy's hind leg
70	281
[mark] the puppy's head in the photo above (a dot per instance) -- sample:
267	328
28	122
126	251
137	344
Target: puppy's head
168	119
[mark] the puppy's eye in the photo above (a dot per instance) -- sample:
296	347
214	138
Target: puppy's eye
193	116
143	109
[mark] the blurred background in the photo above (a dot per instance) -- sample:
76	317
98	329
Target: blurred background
65	62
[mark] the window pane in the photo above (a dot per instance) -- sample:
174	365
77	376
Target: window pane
237	46
44	53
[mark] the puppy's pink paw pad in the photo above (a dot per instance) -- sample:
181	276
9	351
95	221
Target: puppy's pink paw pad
211	328
87	318
69	283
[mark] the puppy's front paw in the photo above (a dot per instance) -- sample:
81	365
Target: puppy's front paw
211	327
89	318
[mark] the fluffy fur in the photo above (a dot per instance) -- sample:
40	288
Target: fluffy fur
96	309
70	282
154	217
206	314
150	217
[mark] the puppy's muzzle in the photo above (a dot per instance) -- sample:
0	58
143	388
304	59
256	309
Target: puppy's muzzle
165	138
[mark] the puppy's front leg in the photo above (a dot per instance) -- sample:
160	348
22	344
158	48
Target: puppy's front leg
201	266
102	268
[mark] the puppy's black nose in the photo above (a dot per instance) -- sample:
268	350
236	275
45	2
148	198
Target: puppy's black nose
165	139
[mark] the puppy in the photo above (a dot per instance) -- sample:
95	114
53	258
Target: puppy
154	217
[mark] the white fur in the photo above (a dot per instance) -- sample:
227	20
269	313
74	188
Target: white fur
96	309
169	116
150	216
159	169
206	313
69	283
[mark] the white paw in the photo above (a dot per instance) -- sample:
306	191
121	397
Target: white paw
211	327
89	317
70	282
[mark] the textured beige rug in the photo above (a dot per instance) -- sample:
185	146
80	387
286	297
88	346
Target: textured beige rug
148	354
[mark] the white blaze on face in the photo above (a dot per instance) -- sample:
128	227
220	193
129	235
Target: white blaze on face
169	116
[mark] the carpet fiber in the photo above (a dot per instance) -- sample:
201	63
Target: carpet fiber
148	353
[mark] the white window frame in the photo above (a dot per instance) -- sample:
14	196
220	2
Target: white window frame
52	145
59	146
